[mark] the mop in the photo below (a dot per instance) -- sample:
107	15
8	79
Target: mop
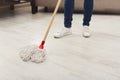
37	53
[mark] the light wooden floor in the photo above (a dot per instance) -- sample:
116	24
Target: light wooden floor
69	58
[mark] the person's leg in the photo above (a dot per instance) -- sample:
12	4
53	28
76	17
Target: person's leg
68	12
88	10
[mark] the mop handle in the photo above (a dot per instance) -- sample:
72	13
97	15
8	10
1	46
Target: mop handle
52	19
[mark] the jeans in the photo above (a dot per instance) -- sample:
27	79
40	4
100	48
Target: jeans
68	12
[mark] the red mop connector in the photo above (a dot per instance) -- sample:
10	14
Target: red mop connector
42	45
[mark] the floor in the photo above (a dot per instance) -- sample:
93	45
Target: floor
69	58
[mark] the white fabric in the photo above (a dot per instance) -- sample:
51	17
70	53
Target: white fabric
32	53
38	56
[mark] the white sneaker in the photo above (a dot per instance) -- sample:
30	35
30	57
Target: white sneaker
86	32
63	32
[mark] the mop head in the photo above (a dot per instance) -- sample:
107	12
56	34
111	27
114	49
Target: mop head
33	53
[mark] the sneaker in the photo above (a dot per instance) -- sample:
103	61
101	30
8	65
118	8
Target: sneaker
86	32
63	32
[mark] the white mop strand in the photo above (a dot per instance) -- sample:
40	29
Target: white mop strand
38	56
27	52
32	52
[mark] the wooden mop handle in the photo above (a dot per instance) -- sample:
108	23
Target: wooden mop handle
52	19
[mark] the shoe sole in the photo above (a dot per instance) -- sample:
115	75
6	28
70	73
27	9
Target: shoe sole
86	36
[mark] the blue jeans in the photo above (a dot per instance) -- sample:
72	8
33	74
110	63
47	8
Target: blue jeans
69	8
